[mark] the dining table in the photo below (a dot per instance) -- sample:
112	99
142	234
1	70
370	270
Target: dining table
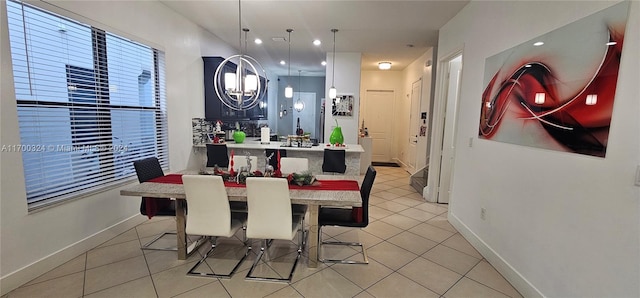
313	197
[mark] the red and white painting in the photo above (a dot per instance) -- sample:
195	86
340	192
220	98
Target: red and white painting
557	91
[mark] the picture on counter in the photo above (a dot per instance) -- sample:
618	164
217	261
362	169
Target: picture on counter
557	90
342	105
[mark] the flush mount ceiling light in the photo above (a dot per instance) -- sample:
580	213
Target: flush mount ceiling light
299	105
242	89
288	92
384	65
332	91
317	42
323	63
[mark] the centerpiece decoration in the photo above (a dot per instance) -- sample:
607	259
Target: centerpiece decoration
336	137
240	177
238	135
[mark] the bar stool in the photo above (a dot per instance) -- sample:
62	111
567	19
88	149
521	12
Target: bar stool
217	155
334	161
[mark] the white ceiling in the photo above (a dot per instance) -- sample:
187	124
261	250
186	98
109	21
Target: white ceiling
395	31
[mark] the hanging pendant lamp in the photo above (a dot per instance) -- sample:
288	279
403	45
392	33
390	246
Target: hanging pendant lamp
299	105
241	89
288	92
332	91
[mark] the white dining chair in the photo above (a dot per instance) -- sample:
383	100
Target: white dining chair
296	165
210	215
241	161
293	165
270	217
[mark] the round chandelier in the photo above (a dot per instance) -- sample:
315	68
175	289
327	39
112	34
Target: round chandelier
241	88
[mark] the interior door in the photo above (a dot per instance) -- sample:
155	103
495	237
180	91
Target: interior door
378	108
448	140
414	123
307	115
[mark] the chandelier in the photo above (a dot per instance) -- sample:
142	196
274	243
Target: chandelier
241	89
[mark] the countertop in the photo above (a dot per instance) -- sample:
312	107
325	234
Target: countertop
355	148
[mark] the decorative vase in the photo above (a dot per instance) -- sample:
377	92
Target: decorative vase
336	136
239	136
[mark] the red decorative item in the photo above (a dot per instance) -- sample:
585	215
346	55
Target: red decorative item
231	160
290	178
278	157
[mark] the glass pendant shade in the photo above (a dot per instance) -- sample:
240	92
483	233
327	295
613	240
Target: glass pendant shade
250	83
333	92
298	106
288	92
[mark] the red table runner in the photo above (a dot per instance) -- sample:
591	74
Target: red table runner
320	185
339	185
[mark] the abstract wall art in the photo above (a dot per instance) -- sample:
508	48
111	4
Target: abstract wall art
557	90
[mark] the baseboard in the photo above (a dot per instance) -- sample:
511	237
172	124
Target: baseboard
511	274
25	274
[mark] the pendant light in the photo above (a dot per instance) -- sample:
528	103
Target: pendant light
332	91
299	105
288	92
242	89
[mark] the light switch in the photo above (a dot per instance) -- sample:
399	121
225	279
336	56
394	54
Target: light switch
637	183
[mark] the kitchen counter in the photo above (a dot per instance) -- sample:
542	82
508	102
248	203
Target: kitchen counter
314	154
350	148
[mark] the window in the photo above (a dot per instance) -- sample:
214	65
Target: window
89	104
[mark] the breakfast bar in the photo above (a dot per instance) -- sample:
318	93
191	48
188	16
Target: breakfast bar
313	153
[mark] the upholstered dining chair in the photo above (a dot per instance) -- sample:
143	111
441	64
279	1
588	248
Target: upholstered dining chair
211	216
333	161
270	217
293	165
357	217
147	169
296	165
217	155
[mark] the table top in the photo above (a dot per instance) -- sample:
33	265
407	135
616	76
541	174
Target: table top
298	196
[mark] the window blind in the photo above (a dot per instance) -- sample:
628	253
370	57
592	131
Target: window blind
89	104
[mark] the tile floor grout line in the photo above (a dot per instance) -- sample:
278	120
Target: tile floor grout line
84	273
153	283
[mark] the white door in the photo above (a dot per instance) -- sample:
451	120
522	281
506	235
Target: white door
378	108
307	115
448	139
414	123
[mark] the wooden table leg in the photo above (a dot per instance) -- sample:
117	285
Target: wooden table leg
312	240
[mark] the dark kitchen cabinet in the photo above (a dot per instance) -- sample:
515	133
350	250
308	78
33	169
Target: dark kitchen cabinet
214	109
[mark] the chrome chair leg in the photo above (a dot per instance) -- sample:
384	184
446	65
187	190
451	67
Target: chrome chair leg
341	261
192	272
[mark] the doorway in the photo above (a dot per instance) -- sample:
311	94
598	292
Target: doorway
378	109
443	153
307	116
414	123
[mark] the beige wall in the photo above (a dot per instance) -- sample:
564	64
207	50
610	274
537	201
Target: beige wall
557	224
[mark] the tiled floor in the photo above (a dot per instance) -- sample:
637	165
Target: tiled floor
413	252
